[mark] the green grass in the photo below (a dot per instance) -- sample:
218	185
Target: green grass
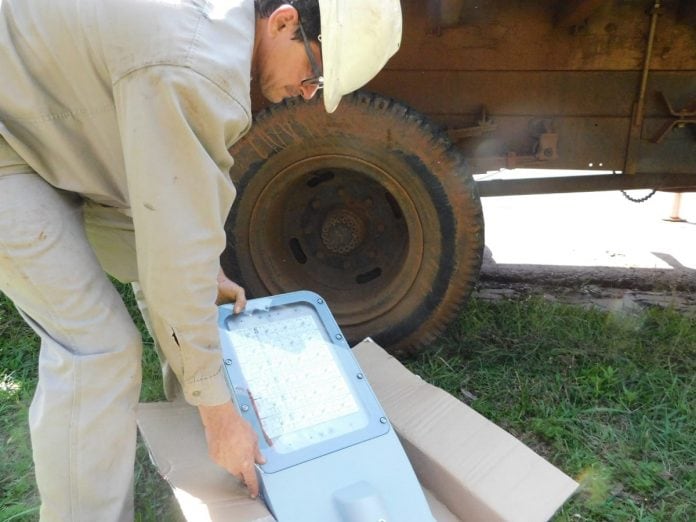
19	501
609	399
18	348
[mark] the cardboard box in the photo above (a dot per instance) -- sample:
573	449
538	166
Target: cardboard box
471	469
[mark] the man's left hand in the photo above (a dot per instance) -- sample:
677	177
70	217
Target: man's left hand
230	292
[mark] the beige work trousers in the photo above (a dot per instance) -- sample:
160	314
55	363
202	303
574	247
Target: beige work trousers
82	416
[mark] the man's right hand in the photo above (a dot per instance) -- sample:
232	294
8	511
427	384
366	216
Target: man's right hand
232	443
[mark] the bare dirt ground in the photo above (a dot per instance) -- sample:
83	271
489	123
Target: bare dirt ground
592	249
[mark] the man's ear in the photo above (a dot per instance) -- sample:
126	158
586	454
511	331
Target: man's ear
283	18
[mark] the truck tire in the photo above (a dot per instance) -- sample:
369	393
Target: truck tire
370	207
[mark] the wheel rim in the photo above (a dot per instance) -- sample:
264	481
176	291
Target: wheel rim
340	226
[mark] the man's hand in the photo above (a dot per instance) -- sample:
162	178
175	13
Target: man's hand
230	292
232	443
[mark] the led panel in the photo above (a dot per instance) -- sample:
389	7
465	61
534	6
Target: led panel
293	377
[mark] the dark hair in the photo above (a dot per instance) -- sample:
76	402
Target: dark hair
307	9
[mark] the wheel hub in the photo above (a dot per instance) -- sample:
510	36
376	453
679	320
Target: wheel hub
342	232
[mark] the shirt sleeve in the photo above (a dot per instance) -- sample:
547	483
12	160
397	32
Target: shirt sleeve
176	127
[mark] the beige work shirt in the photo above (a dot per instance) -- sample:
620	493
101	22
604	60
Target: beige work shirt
133	104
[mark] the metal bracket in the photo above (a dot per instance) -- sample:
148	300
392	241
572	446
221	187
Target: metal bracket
547	147
546	139
681	118
483	126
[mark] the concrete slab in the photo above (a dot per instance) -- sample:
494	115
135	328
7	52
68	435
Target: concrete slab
596	229
593	248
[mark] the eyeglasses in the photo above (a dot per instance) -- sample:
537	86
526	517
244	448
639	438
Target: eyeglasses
318	79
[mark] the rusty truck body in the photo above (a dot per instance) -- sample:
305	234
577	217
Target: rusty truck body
376	208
